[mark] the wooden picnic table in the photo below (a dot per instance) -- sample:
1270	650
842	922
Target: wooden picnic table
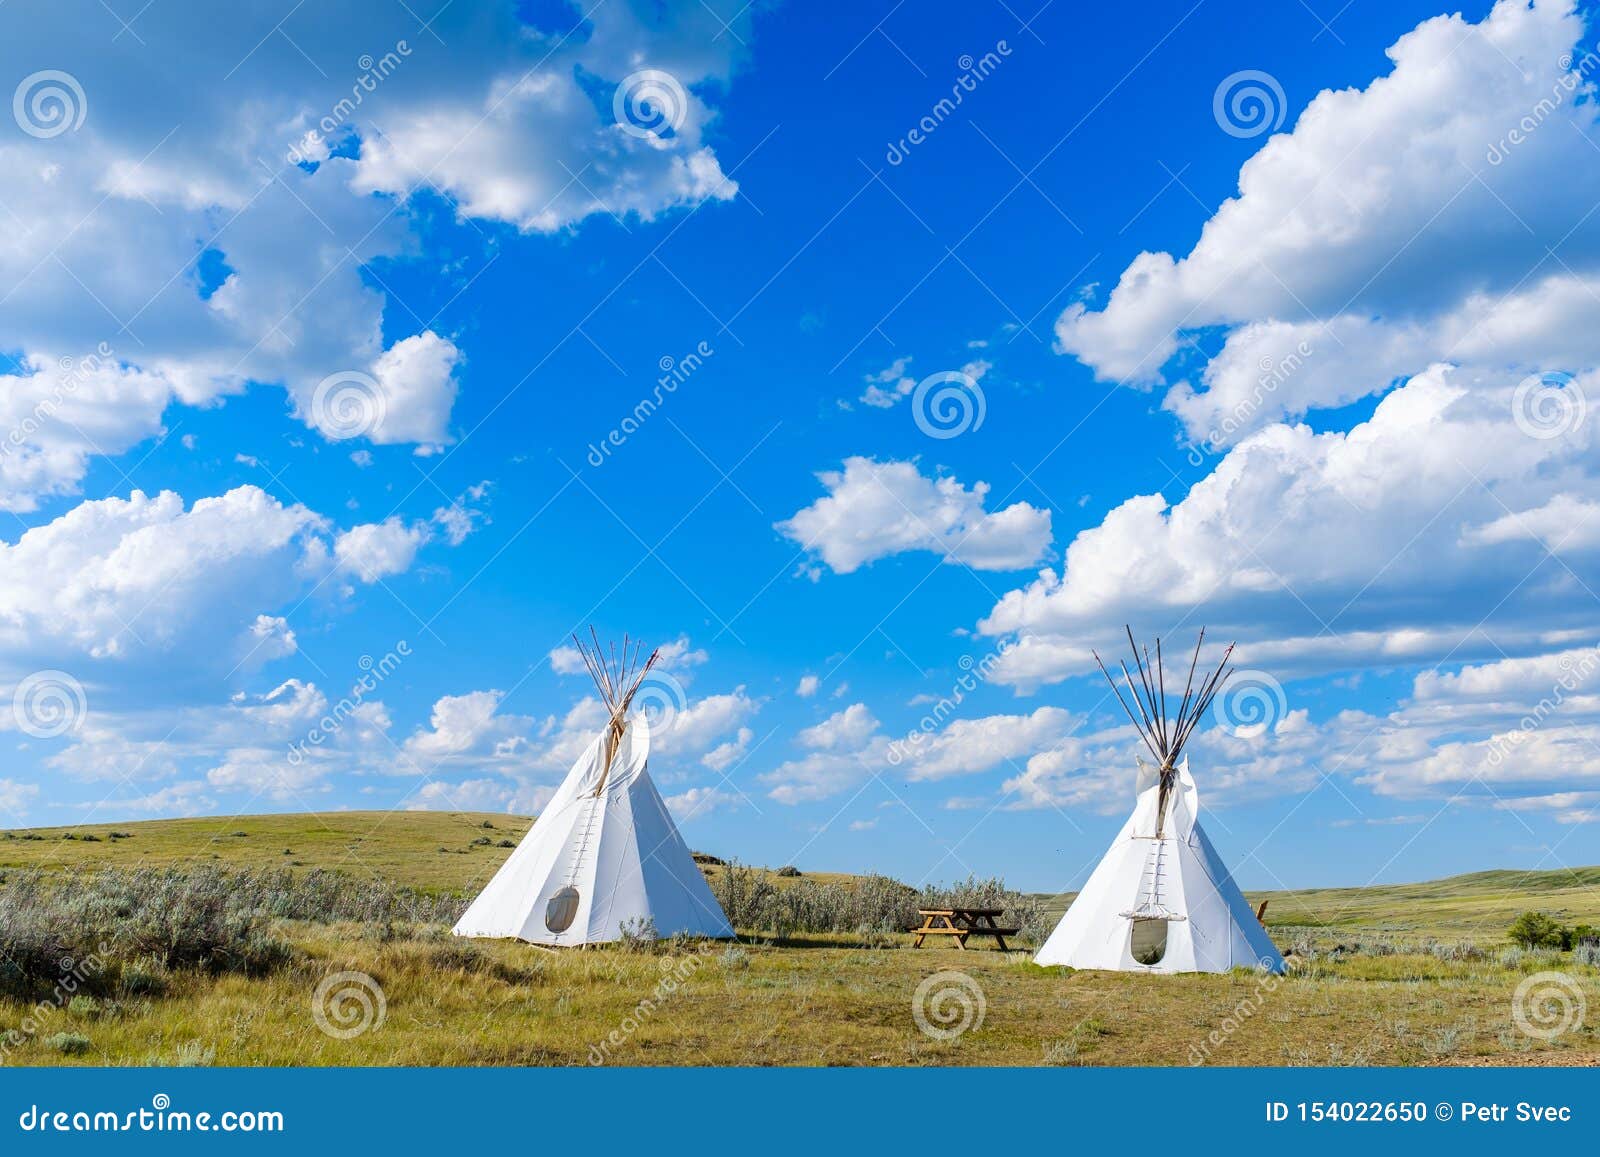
962	923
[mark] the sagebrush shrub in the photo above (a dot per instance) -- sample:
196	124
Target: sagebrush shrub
638	934
144	977
866	906
95	932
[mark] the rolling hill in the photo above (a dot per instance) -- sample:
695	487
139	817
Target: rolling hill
458	851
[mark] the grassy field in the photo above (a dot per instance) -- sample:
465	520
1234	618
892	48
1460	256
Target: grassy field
431	851
427	850
1383	977
458	851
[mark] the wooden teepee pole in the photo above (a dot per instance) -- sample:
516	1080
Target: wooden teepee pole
617	676
1125	708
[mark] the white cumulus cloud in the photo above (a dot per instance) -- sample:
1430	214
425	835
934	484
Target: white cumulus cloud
877	509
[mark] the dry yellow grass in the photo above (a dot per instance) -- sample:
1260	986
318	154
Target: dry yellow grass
512	1004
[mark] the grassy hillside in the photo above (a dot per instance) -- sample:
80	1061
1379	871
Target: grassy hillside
428	850
435	851
1479	905
458	851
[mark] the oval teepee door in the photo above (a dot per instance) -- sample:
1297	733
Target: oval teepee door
561	910
1147	943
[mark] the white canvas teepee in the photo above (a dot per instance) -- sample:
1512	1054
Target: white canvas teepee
604	852
1161	899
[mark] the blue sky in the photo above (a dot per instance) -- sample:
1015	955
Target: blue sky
1279	321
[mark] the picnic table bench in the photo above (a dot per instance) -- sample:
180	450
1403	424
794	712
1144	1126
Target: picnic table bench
962	923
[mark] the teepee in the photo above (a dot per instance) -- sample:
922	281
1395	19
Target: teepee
604	854
1162	900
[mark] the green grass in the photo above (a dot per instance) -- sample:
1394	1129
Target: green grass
1479	906
811	1000
427	850
402	847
